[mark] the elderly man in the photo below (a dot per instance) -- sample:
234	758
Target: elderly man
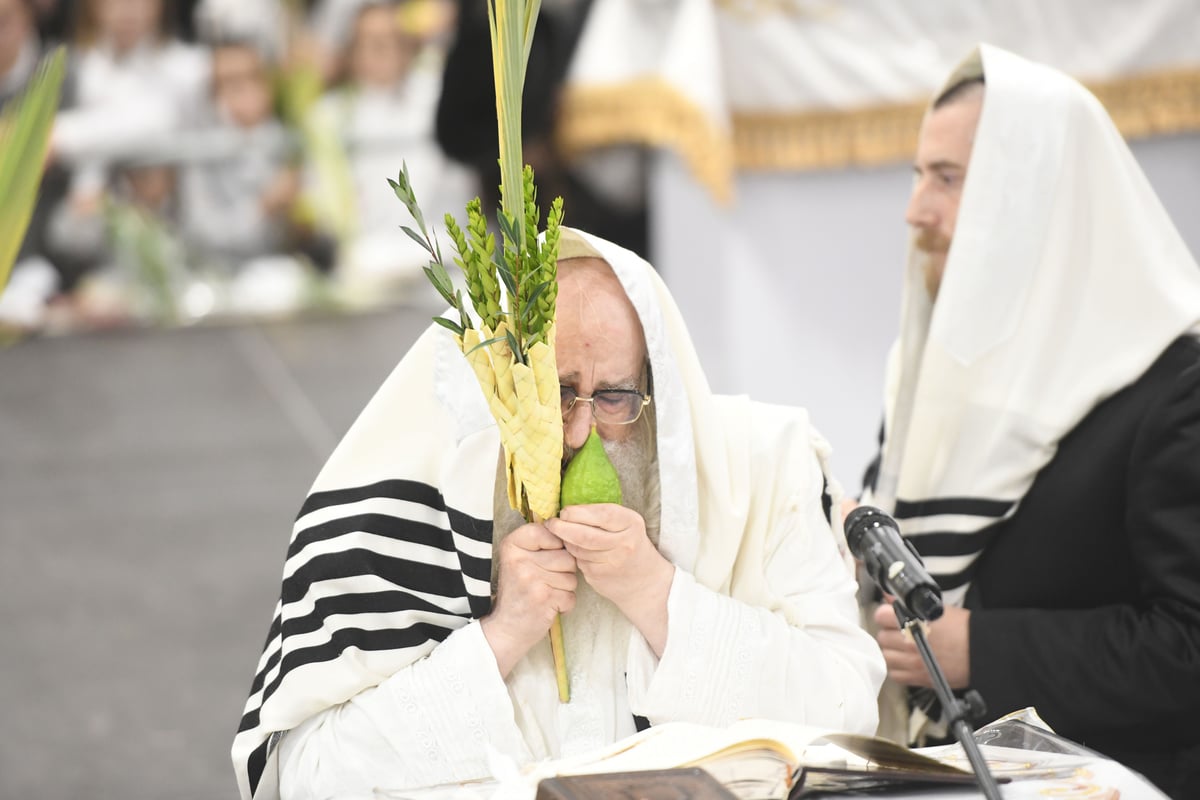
1042	431
410	638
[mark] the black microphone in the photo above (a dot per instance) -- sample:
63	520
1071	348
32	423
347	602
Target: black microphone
892	562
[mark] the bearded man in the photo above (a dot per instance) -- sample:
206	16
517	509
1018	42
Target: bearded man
410	637
1042	432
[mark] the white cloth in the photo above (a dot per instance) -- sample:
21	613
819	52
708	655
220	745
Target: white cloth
765	579
379	131
125	101
712	80
1065	280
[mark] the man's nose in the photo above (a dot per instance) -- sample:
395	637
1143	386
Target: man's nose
921	212
577	425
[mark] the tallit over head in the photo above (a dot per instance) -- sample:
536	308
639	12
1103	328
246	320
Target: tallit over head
1064	282
391	551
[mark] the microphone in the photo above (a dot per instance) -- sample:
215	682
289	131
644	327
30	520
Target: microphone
892	562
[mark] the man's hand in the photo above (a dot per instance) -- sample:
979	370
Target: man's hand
949	639
536	581
610	545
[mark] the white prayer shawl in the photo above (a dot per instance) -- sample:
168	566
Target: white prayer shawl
1064	282
391	551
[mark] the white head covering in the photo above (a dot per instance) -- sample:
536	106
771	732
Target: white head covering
392	549
1064	282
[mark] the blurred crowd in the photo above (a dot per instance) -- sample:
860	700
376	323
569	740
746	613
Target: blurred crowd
222	157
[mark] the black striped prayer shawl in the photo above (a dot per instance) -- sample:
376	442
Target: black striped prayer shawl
1065	281
391	551
344	558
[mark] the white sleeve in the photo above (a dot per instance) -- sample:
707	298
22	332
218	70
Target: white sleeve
111	132
432	722
725	659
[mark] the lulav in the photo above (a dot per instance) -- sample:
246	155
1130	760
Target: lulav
513	290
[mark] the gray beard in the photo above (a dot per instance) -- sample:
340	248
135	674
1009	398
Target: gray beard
636	462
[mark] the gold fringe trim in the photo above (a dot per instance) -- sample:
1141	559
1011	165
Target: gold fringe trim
1153	104
652	112
647	111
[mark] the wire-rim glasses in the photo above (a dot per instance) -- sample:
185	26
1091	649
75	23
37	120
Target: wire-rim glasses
610	406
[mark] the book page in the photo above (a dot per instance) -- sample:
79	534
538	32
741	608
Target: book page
754	758
678	744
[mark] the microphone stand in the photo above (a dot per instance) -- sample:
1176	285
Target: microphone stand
955	709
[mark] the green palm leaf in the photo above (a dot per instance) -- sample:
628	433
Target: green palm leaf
24	136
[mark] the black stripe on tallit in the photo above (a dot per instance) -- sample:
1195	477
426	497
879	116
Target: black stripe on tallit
479	530
410	491
478	568
945	543
386	639
954	580
272	634
408	574
250	718
387	602
366	640
381	524
396	489
371	602
256	763
386	525
965	506
257	683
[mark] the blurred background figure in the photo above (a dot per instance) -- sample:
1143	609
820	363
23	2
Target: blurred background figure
20	47
135	84
239	184
604	191
137	265
36	279
272	26
378	117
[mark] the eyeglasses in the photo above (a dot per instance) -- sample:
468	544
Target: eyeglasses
610	406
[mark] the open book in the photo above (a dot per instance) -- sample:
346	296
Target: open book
759	759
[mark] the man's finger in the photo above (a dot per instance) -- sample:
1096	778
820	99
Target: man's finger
894	640
885	617
580	534
596	515
535	537
557	561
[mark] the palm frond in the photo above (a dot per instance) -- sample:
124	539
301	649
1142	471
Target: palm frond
24	136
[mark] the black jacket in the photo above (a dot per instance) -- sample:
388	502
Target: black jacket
1086	603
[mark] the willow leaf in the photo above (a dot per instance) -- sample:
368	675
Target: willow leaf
493	340
506	274
414	209
508	228
533	298
512	344
421	240
441	281
449	324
